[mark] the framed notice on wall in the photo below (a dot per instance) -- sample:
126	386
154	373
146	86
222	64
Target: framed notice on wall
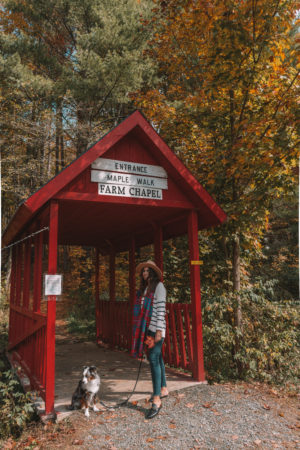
52	285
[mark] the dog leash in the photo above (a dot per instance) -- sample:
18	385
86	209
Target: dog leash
118	405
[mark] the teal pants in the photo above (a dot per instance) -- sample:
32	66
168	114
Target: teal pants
157	367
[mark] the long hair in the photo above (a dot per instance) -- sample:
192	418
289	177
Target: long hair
151	283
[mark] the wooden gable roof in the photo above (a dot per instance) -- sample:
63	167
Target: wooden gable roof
132	140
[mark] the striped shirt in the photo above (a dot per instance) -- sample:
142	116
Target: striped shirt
158	320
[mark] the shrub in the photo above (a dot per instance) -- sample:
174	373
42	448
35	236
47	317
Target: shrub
16	408
271	334
268	348
82	320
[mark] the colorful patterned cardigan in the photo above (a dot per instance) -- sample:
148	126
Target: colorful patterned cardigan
141	319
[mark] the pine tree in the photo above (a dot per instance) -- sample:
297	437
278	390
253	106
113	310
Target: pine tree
67	69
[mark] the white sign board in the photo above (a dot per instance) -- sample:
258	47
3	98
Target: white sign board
129	179
129	191
52	285
129	167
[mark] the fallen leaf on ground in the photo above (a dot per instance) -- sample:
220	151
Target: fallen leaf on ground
134	403
172	425
190	405
9	444
257	442
207	405
234	437
78	442
265	406
150	440
281	414
107	438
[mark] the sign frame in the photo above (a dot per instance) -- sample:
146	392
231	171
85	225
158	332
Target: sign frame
52	285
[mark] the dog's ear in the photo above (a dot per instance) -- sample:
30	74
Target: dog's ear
85	367
93	368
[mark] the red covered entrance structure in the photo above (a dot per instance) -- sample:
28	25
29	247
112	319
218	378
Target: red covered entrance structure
126	191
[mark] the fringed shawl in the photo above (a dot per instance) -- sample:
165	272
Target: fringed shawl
141	319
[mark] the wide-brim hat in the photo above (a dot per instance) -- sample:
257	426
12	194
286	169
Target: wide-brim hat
150	264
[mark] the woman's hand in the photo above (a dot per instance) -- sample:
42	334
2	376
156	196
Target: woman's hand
158	336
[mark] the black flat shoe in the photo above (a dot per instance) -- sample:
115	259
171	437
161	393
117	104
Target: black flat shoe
153	411
161	396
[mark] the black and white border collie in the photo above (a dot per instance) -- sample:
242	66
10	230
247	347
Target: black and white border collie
85	394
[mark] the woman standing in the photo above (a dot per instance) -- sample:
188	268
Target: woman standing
149	320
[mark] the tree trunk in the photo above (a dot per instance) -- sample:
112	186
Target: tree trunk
82	130
236	290
59	150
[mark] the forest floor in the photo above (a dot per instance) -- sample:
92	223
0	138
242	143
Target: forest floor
219	416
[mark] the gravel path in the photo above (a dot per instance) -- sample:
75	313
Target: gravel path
199	417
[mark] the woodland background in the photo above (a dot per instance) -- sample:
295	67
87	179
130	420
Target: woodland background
218	81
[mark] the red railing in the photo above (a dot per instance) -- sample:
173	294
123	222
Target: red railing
28	344
114	323
27	325
114	328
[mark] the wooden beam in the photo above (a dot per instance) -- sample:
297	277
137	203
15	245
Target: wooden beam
38	264
132	286
27	313
27	334
51	310
27	270
132	277
112	275
19	273
12	290
198	364
97	305
88	197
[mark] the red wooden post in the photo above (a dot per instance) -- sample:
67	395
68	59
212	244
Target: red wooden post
51	309
19	274
13	275
26	283
97	306
112	296
158	247
172	328
167	343
37	280
132	287
179	312
112	275
132	273
188	334
198	365
12	291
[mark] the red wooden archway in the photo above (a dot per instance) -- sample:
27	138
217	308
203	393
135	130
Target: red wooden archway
97	202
